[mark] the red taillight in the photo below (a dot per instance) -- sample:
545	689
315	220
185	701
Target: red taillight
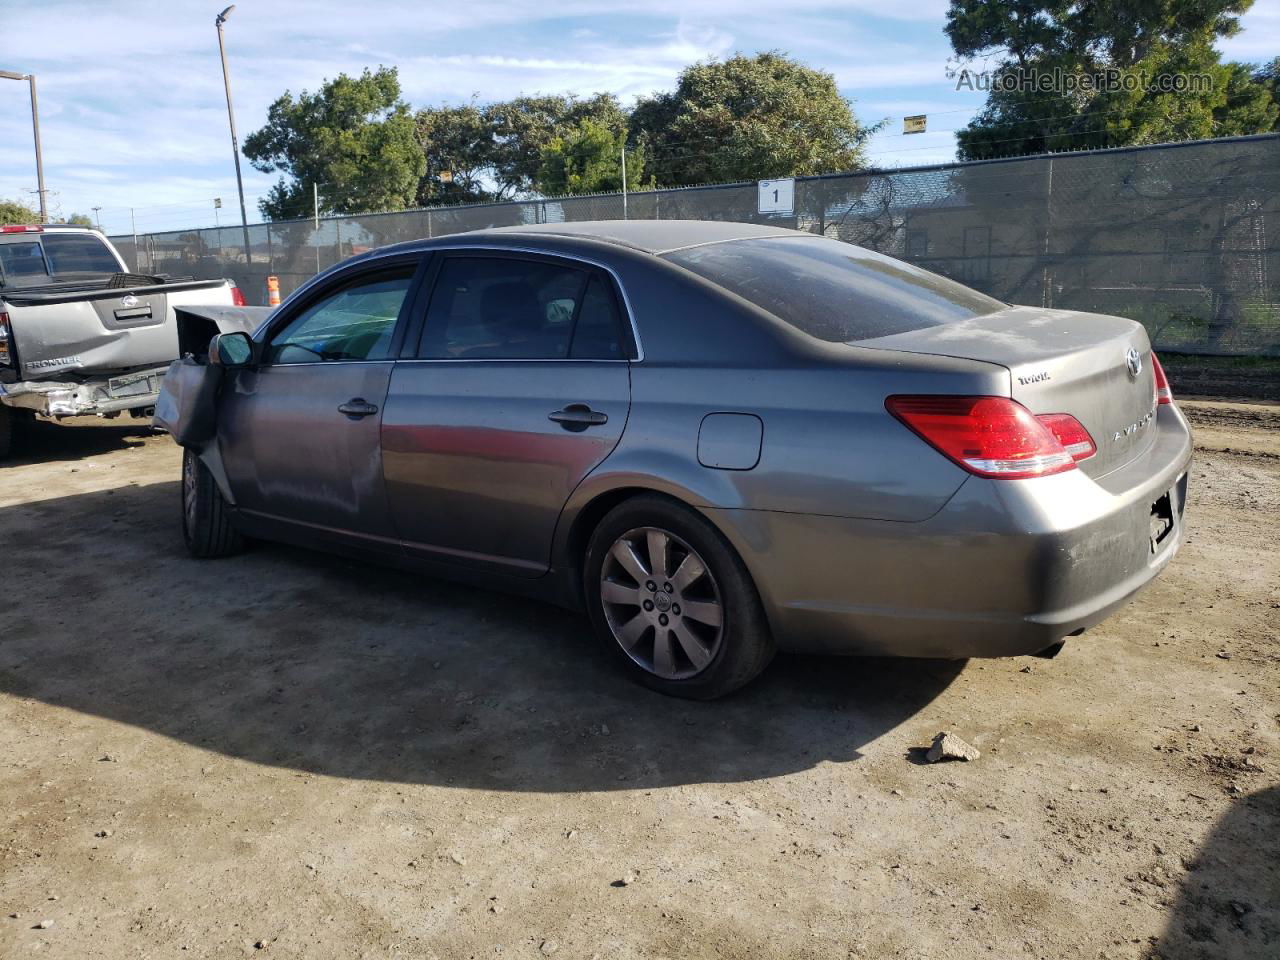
989	436
237	297
1163	393
6	341
1071	434
21	229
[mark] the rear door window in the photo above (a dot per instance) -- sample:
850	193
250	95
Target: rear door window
831	290
510	308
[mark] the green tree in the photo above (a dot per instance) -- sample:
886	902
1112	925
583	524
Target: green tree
587	158
15	212
355	138
1032	39
748	118
524	127
457	145
80	220
1268	75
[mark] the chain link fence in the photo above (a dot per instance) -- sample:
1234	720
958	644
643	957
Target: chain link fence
1184	238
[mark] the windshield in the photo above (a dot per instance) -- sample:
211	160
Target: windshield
834	291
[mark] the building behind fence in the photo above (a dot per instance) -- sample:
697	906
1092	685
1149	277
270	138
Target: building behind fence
1184	238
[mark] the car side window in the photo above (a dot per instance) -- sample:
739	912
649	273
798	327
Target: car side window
354	322
596	336
504	308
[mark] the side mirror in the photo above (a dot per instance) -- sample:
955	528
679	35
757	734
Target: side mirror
231	349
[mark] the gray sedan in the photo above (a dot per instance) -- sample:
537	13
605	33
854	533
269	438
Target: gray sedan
716	439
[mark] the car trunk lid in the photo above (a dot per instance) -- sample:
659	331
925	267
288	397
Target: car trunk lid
1059	361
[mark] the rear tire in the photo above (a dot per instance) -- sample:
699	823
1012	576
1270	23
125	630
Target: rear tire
669	596
206	520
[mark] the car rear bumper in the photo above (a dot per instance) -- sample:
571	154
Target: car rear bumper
1007	567
53	398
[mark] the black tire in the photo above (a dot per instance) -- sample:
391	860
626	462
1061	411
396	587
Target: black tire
743	645
206	520
7	425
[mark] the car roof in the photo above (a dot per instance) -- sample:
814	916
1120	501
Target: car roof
651	236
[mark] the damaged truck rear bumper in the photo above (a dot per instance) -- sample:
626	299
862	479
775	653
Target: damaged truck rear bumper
52	398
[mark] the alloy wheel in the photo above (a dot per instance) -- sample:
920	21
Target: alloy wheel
662	603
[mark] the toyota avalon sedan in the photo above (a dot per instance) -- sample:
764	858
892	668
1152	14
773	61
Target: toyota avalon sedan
715	439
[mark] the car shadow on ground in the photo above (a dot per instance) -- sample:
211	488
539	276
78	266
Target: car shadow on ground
320	664
42	441
1228	907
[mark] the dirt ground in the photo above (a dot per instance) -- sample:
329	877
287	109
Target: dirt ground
294	755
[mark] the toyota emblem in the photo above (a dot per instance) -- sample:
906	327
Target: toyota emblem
1133	360
128	300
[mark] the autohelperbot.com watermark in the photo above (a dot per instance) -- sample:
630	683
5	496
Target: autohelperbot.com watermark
1057	80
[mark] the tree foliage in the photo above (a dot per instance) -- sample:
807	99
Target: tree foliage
587	158
1268	75
80	220
740	119
457	146
747	118
1136	42
17	212
355	138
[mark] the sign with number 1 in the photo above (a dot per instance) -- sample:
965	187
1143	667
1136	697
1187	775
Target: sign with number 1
777	196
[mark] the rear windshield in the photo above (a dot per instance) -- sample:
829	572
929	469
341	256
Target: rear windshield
54	255
77	253
834	291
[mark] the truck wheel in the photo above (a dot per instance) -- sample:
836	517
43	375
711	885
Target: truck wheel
206	523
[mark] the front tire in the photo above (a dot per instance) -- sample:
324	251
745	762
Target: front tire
670	597
206	520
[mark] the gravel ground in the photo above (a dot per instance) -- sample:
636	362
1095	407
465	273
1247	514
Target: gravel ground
294	755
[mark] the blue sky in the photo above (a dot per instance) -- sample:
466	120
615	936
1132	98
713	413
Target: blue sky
132	110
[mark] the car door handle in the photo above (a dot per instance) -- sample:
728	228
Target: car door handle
357	407
578	416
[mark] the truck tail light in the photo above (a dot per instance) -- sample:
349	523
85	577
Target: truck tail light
6	341
1163	393
237	296
988	436
15	228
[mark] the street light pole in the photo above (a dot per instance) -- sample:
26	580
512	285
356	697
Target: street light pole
231	117
35	131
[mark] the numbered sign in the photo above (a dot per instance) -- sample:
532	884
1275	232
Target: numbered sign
914	124
777	196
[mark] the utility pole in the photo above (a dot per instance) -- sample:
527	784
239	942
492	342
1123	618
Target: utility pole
231	117
315	211
35	132
97	216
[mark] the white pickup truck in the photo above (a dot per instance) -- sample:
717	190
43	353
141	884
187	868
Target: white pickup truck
79	333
